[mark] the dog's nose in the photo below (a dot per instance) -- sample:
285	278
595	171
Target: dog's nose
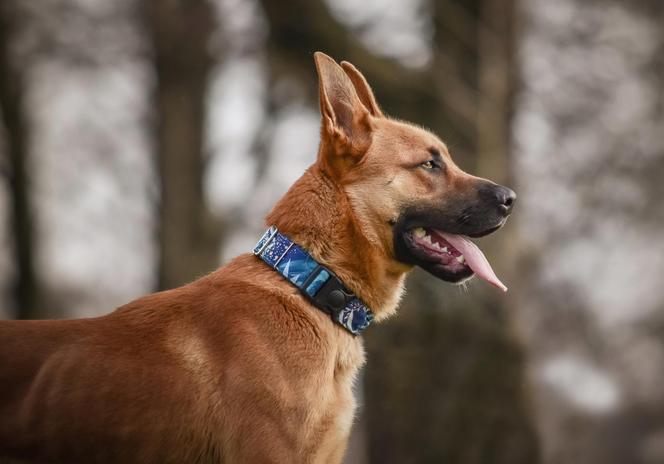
506	198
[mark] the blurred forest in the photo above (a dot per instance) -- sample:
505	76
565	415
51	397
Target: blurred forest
143	141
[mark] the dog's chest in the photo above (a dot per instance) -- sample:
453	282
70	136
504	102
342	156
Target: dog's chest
334	408
349	357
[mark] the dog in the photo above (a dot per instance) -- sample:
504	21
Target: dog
251	364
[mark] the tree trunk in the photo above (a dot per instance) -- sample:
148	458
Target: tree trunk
24	289
188	239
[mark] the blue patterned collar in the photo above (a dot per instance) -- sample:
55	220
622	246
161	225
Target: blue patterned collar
316	282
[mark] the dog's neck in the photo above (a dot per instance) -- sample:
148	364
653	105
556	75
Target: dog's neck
316	214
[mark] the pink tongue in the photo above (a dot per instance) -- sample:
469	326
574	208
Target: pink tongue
474	258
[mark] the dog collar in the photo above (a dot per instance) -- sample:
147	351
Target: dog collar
318	283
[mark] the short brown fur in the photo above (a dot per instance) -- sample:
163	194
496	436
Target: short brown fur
237	366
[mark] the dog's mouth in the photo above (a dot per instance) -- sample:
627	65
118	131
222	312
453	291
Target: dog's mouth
449	256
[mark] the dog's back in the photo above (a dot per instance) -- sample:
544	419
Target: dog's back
118	388
75	391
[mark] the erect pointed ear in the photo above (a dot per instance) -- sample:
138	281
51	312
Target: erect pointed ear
346	121
362	88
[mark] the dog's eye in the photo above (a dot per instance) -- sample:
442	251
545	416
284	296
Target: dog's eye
430	165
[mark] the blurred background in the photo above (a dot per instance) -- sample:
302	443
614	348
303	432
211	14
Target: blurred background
143	141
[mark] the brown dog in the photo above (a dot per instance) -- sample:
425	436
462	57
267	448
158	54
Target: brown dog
240	366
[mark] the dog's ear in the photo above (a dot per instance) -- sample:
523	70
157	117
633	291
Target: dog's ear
362	88
346	120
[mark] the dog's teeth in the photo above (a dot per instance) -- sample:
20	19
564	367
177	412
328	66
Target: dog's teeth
435	245
444	249
461	259
427	238
420	232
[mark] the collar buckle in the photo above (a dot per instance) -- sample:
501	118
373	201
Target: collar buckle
333	295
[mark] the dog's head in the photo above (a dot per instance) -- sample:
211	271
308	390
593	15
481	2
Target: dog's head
408	195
